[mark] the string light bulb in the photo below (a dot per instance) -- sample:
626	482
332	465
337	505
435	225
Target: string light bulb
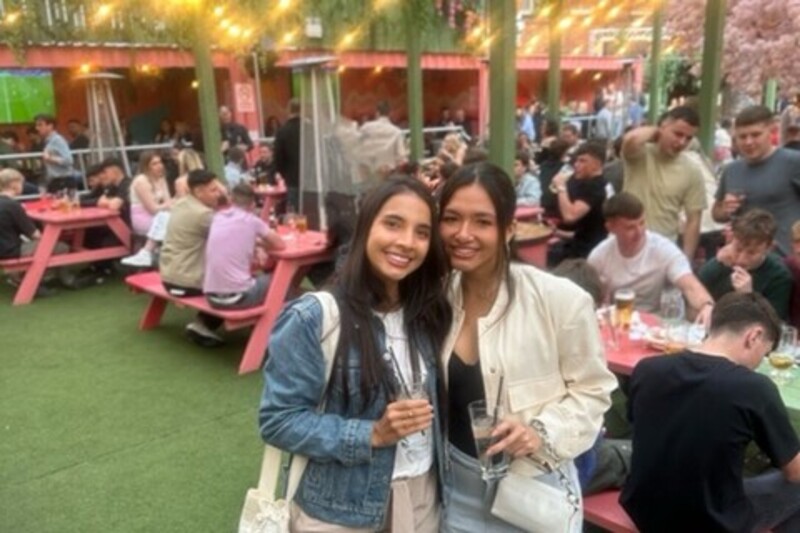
348	38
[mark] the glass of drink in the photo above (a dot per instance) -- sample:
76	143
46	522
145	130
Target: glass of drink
782	359
623	301
301	223
740	195
483	423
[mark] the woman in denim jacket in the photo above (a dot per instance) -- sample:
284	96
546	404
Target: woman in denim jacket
373	449
524	338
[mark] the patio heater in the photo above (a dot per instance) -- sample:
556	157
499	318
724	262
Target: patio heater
328	145
107	139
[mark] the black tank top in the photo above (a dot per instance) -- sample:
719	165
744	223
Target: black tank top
465	386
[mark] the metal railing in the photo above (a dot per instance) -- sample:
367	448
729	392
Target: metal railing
82	159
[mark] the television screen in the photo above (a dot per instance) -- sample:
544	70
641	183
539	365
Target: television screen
24	94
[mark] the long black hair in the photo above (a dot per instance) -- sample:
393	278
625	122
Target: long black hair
498	186
359	291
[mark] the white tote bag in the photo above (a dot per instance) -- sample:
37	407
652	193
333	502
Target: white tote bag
264	510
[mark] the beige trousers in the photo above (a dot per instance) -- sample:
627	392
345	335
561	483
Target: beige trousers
413	508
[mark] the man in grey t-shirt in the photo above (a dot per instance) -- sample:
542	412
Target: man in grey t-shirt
765	176
57	156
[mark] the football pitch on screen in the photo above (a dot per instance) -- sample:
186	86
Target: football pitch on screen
24	94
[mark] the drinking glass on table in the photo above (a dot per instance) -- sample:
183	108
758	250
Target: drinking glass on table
289	220
623	301
483	423
782	359
301	223
673	311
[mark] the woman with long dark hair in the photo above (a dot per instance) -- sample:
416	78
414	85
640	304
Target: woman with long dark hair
372	456
522	340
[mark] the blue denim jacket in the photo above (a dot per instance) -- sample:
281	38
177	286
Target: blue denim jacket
346	482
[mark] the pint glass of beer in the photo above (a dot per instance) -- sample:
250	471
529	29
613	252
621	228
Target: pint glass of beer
623	301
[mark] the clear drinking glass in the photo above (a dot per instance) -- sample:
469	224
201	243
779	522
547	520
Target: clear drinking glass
673	312
782	359
623	301
483	423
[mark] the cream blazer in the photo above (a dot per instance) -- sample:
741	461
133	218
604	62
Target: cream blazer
547	345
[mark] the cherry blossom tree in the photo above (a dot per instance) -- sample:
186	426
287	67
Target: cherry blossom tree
761	40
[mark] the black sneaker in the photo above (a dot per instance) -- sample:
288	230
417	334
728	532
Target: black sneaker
198	336
45	292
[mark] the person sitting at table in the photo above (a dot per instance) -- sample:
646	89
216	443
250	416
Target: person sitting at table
94	185
632	257
234	235
19	236
182	260
695	413
104	179
607	463
116	189
527	186
235	168
747	263
264	167
580	204
188	160
149	193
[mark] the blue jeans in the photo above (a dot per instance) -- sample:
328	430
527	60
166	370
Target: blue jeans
775	501
252	297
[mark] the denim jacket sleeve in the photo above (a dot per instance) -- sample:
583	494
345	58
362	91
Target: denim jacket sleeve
290	416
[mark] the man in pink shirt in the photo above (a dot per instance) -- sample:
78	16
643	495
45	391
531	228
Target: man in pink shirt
234	235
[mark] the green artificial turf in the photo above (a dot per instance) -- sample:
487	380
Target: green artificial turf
105	428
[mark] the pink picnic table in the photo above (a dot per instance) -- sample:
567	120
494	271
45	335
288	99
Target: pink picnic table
528	212
270	195
629	352
291	264
55	224
532	240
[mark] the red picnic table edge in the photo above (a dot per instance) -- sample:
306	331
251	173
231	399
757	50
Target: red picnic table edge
55	224
291	262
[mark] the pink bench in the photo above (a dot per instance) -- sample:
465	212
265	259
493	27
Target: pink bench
20	264
150	283
603	509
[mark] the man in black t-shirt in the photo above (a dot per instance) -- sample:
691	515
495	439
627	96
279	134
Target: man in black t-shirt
693	416
16	224
580	204
234	135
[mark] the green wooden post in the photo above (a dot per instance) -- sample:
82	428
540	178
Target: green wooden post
712	74
770	94
554	62
502	83
207	98
656	69
415	94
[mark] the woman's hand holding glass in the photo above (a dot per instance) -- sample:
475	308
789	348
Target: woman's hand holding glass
516	439
401	418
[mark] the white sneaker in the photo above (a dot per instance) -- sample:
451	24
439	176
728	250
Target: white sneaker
142	258
202	335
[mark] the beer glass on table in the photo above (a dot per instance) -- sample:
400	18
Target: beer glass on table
623	303
782	359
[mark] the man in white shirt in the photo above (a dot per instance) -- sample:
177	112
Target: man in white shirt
382	144
634	258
